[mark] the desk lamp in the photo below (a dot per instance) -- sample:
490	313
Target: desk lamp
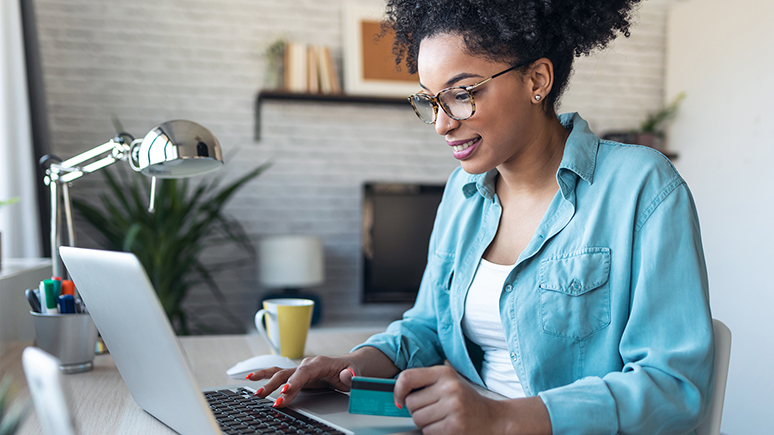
174	149
291	263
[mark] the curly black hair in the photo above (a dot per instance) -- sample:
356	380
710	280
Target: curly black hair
512	31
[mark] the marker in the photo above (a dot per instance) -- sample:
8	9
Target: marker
47	291
68	287
57	281
67	304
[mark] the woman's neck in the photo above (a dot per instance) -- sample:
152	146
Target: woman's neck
534	170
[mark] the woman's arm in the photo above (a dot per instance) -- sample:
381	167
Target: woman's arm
666	347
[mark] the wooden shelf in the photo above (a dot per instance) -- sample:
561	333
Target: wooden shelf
321	98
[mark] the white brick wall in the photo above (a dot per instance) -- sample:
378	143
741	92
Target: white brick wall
147	61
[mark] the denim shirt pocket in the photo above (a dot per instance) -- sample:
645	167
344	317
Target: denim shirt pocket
442	278
574	293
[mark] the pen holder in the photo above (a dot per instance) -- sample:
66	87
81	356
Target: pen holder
70	337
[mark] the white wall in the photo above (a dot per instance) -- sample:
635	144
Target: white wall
147	61
721	54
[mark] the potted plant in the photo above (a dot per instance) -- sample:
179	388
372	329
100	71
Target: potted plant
168	242
11	413
651	131
275	57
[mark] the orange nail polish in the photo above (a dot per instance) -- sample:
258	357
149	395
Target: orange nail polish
351	371
248	376
278	402
285	388
398	405
258	391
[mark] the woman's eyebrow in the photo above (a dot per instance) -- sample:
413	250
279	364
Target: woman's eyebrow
460	76
453	80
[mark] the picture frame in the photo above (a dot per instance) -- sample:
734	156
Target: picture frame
369	64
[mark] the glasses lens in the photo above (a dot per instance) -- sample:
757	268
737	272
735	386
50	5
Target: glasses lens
457	102
424	107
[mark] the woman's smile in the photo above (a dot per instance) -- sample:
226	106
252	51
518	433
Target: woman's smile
464	148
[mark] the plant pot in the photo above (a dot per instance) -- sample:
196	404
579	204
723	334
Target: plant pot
649	140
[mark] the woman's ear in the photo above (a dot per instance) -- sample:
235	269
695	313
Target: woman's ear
540	78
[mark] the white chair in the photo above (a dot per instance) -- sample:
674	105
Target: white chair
711	424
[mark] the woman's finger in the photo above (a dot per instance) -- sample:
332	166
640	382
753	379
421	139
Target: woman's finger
277	377
415	379
346	375
262	374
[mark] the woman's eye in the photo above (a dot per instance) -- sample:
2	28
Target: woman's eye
462	97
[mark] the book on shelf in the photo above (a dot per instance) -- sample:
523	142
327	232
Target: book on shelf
295	67
312	76
331	77
309	68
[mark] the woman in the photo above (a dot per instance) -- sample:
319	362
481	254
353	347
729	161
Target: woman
564	272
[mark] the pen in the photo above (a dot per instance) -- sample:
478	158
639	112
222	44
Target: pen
33	299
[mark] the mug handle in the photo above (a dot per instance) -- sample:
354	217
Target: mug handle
262	330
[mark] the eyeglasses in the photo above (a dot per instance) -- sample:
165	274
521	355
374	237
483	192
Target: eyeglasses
456	101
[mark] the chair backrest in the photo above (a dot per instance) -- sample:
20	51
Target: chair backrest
711	424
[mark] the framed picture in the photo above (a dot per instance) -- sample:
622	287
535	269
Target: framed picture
369	65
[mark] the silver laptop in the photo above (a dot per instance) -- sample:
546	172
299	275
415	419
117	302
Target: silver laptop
127	312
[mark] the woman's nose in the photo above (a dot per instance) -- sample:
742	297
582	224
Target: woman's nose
444	123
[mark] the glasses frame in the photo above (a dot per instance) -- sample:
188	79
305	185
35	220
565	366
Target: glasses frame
435	102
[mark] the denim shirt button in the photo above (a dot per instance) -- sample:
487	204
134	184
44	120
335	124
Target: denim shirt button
513	355
508	287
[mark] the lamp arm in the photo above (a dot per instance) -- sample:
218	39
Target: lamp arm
79	172
90	154
68	170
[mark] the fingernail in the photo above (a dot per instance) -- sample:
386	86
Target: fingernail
351	371
398	405
258	391
248	376
277	403
285	388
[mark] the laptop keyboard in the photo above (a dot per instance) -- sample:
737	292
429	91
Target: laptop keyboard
239	412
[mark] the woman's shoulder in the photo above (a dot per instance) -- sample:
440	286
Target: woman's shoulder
633	164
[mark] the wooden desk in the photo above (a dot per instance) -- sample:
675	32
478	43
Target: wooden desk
103	404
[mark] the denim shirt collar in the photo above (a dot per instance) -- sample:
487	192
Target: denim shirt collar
579	158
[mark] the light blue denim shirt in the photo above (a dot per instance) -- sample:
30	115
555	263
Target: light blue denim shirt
606	312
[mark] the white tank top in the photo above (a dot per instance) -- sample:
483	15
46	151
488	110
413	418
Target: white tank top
482	325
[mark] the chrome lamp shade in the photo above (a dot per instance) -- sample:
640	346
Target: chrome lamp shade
177	149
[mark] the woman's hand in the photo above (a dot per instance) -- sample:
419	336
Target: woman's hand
324	372
442	402
315	372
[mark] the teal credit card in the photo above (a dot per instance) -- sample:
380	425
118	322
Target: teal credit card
373	396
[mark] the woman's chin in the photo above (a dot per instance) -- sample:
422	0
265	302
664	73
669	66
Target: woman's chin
474	168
